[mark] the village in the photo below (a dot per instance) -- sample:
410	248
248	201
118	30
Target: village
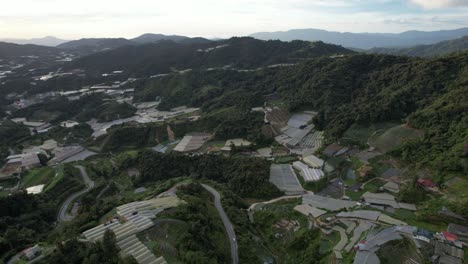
349	189
364	211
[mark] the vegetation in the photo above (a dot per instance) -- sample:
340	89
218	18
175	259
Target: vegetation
74	252
427	94
26	218
247	177
205	240
434	50
162	57
10	132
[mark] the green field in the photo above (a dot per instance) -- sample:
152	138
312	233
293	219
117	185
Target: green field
286	159
37	176
57	178
361	133
8	183
163	237
394	137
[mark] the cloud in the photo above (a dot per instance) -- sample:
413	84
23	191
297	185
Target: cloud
433	4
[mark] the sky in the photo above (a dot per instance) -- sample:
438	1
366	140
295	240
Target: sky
222	18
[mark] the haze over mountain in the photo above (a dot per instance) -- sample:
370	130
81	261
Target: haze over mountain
365	40
438	49
15	50
45	41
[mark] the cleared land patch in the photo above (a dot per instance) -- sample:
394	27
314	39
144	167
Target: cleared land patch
394	137
37	176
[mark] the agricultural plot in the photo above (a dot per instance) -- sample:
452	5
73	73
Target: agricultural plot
394	137
283	177
134	247
137	216
162	238
37	176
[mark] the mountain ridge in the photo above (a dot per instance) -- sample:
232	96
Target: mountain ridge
365	40
49	41
427	51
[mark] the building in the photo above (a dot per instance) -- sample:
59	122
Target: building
63	153
69	124
312	213
24	161
460	231
313	162
192	142
283	177
309	175
391	187
384	199
32	252
427	185
237	142
444	211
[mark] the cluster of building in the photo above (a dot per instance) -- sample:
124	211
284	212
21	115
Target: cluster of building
131	219
146	113
300	135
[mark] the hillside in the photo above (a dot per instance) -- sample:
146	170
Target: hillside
439	49
429	94
8	50
96	44
365	40
166	56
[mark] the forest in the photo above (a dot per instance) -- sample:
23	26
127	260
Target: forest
428	94
247	177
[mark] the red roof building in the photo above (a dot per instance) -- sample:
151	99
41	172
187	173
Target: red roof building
426	183
449	236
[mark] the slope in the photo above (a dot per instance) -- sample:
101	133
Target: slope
439	49
427	94
167	56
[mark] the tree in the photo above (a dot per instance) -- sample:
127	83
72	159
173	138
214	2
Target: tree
11	236
43	159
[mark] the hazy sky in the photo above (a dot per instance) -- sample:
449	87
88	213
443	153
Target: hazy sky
222	18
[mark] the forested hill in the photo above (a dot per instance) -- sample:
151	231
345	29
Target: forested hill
431	94
165	56
95	43
439	49
14	50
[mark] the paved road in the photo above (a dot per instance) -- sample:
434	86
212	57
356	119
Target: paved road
227	223
63	214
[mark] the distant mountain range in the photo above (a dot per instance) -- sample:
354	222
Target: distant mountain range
365	40
46	41
438	49
14	50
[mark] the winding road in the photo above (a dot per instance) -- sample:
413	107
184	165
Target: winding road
63	215
227	223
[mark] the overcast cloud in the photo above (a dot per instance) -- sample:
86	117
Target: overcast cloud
222	18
